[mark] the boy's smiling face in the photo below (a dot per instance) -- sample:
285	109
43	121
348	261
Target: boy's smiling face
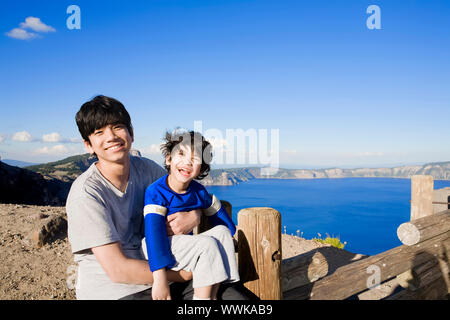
184	164
111	143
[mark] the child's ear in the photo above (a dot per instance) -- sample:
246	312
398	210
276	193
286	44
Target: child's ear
168	160
87	145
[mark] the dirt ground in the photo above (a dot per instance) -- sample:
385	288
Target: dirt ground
28	272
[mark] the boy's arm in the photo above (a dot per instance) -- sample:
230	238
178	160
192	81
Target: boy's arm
155	211
217	214
158	247
121	269
160	288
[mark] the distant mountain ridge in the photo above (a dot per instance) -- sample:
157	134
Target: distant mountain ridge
67	169
49	183
70	168
18	163
439	171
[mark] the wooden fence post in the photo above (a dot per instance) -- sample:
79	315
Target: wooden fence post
421	196
422	187
259	251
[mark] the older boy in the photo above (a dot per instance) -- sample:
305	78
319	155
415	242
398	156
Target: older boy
104	209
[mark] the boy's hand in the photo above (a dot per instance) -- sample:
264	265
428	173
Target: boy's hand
160	287
161	291
183	222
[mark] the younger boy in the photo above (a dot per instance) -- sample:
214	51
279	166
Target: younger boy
209	256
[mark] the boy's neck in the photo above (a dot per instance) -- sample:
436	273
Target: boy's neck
177	186
116	173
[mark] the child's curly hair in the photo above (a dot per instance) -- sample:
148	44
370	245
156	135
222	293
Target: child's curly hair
171	140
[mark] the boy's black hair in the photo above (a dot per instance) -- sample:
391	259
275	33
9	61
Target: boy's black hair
171	140
99	112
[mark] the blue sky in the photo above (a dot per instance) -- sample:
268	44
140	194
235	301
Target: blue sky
339	93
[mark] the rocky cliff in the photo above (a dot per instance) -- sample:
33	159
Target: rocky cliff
228	177
23	186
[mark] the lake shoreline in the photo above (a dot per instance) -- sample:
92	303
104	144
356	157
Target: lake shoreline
364	212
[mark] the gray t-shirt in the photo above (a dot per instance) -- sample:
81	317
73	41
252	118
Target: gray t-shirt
98	213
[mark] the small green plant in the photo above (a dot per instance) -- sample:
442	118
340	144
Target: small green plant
333	241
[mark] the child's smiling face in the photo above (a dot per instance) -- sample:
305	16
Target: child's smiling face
184	164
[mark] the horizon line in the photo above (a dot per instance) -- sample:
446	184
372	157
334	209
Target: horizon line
284	167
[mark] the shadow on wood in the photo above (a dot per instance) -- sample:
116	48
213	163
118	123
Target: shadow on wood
427	281
300	272
247	269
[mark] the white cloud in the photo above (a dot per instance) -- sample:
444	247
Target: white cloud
2	138
75	140
60	149
36	24
43	150
31	23
56	137
52	137
21	34
153	149
55	150
22	136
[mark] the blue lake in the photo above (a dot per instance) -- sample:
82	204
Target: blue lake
364	212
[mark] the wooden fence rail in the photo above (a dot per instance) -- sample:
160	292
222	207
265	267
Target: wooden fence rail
425	228
420	265
355	277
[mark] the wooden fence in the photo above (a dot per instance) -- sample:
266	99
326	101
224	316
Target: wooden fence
418	269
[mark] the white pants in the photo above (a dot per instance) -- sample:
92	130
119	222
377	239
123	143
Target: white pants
209	256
